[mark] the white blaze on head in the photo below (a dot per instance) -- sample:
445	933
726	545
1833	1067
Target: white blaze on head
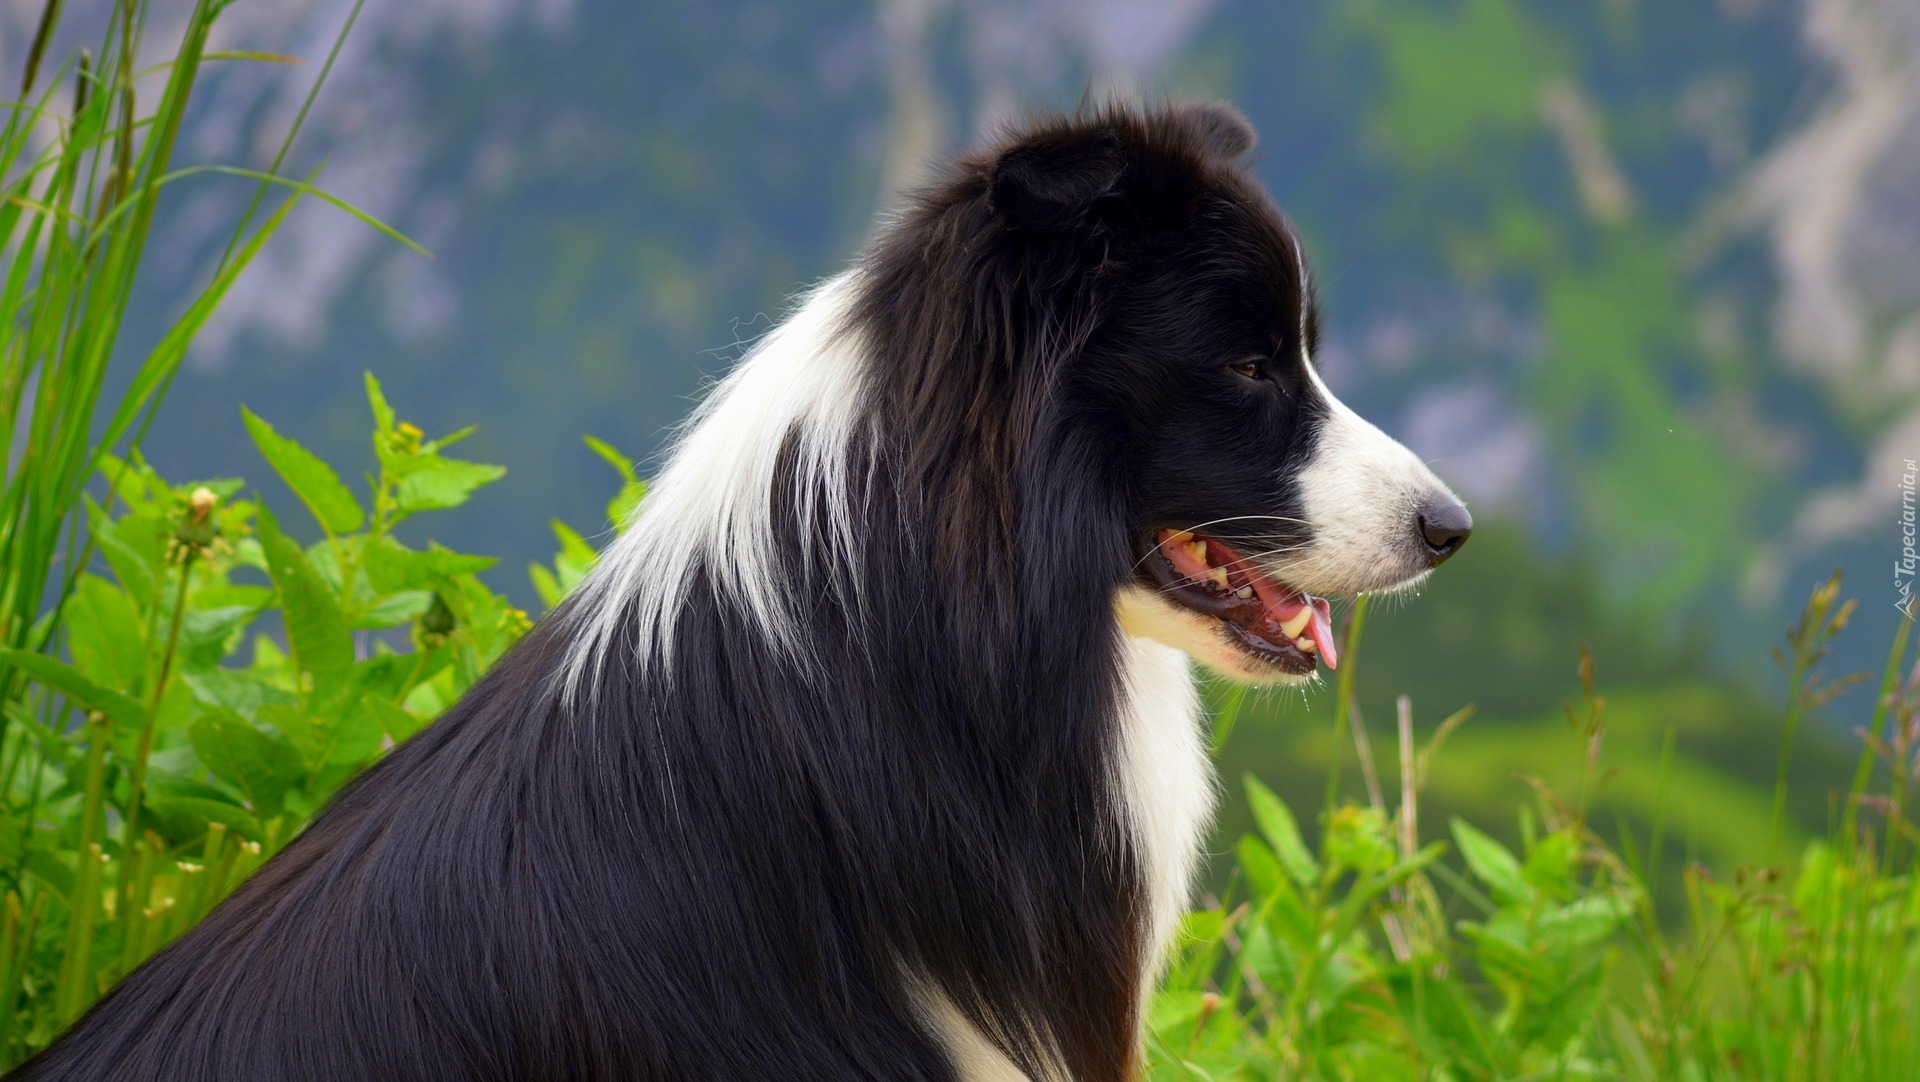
1372	510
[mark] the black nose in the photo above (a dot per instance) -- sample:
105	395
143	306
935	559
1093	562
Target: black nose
1444	526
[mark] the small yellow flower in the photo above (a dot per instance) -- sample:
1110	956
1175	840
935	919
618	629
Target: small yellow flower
407	438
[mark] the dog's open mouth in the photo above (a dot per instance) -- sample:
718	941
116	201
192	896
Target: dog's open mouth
1288	628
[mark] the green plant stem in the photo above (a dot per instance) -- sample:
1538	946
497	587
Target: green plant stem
1863	771
1658	839
132	917
1343	696
137	777
72	991
1223	721
21	927
1796	709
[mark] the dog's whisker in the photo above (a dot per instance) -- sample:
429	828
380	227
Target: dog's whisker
1281	551
1257	537
1247	518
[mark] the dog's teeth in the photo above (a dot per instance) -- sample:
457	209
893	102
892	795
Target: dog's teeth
1181	537
1297	623
1245	593
1305	645
1198	550
1218	576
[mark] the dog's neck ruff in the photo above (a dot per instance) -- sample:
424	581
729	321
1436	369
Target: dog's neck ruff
797	393
783	509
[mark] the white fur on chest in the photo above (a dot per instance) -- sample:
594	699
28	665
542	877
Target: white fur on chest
1166	794
1165	778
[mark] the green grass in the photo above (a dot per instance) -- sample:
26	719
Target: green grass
95	819
1386	954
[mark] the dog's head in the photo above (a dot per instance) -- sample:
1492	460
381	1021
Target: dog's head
1106	315
1251	492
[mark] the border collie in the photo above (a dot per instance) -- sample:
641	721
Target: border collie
871	749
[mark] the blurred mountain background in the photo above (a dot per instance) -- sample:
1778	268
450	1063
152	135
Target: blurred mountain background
1641	279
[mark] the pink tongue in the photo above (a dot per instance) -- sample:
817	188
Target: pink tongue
1277	607
1320	630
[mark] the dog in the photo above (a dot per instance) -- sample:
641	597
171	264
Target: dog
871	749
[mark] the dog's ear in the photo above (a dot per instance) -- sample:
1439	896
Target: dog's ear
1051	180
1221	129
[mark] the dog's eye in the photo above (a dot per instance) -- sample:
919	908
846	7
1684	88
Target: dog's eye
1250	368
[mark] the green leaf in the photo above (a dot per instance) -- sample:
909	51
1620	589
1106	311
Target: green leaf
1283	833
1261	867
489	621
383	419
238	690
546	585
1561	1009
1550	863
210	634
1175	1011
1581	923
394	609
1492	863
310	478
262	766
392	567
1357	838
1500	948
1202	926
337	728
430	482
1274	961
46	865
575	558
132	480
1446	1024
404	582
316	629
452	438
126	713
134	546
620	509
397	722
300	186
105	634
624	505
354	736
612	457
183	819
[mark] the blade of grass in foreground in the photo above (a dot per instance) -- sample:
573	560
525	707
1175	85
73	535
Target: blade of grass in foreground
78	240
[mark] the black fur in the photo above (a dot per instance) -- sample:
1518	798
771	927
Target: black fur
747	862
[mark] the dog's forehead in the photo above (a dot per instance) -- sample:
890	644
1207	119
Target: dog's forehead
1261	250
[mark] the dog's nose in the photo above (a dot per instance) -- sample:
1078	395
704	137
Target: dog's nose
1444	526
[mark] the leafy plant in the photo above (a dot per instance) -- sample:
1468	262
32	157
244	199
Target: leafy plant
103	676
78	192
227	680
1376	957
